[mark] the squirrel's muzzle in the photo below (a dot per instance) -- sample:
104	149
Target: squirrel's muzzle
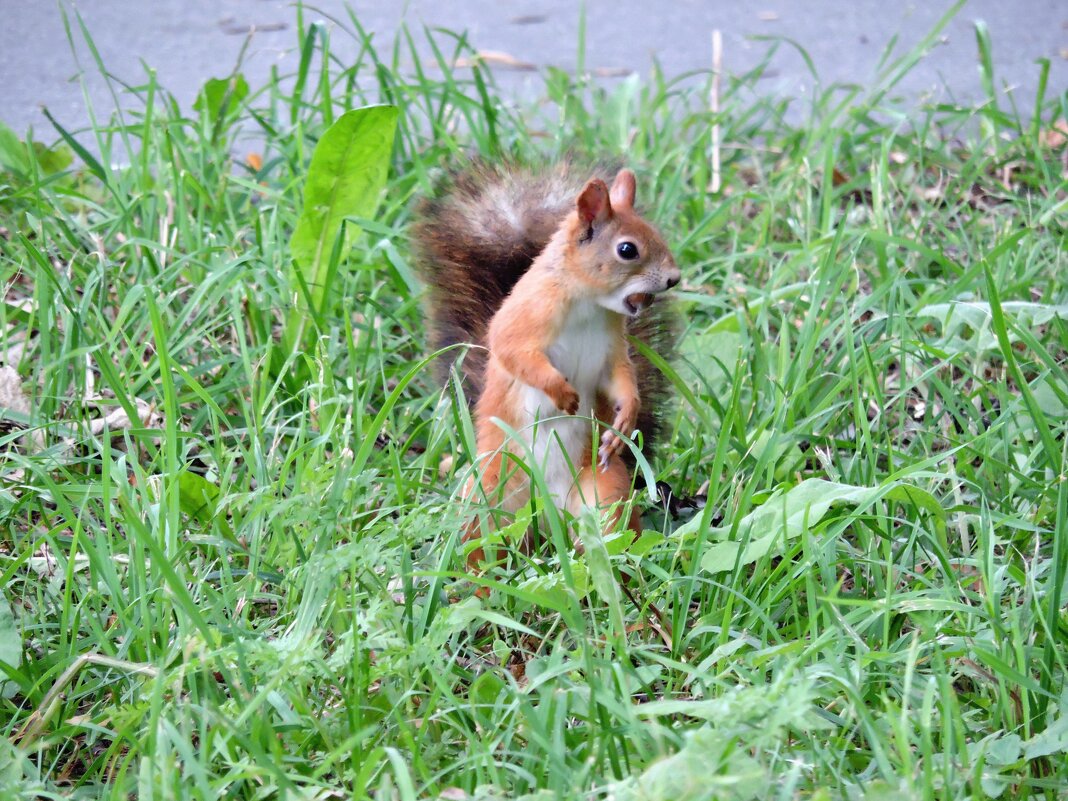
672	276
638	301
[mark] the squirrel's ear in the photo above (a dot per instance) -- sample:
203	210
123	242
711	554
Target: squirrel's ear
593	204
623	189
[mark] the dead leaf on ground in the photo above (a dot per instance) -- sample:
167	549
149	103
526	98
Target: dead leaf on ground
15	405
1055	136
45	564
497	58
230	26
13	354
118	420
931	194
12	398
13	341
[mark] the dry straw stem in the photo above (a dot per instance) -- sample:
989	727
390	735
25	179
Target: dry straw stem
717	61
36	722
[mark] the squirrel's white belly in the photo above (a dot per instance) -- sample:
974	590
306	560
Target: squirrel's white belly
558	441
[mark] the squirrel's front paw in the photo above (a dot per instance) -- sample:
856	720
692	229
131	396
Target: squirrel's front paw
612	442
626	418
566	398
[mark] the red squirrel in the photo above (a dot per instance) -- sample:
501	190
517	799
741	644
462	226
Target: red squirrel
549	276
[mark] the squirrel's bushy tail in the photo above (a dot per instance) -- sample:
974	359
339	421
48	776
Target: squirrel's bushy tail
474	239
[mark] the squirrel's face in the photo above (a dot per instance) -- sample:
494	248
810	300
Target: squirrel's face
622	260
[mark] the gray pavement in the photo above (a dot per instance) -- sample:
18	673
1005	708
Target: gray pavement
188	41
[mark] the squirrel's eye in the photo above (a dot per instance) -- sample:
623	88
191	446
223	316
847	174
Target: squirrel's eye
627	251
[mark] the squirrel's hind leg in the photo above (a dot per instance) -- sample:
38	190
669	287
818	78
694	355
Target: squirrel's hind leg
499	485
600	489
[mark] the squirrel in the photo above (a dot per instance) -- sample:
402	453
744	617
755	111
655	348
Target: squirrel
548	274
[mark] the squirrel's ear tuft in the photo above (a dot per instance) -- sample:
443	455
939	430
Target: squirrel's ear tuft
623	190
593	204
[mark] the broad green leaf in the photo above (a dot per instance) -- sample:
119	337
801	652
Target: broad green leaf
1001	754
51	160
1004	750
13	154
784	457
1052	740
618	542
645	543
550	590
1047	399
966	325
784	516
346	176
10	645
221	97
484	692
199	498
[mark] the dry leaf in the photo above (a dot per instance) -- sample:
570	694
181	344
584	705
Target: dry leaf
118	420
229	26
46	566
1055	136
14	400
932	193
497	58
254	161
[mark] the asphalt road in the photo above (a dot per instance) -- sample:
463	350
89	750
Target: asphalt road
188	41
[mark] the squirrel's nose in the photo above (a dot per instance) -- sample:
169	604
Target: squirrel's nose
673	281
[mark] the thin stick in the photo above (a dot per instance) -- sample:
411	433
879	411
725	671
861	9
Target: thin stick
717	61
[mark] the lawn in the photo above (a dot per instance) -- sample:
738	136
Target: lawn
230	554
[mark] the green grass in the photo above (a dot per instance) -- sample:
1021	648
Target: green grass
255	591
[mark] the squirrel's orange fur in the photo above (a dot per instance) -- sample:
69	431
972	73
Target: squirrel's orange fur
559	356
